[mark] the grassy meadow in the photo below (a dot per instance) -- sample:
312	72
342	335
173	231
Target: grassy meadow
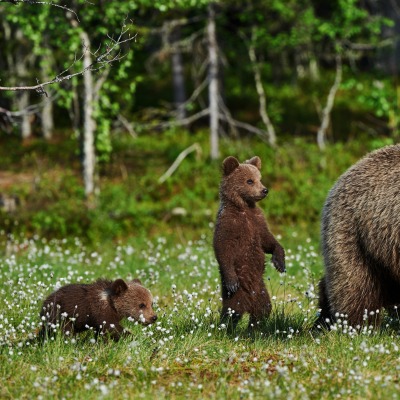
186	353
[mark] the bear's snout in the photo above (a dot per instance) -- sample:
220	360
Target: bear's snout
264	191
149	320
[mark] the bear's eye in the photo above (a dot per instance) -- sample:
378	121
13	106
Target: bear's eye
142	306
250	181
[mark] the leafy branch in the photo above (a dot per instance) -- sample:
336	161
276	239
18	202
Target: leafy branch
111	53
107	57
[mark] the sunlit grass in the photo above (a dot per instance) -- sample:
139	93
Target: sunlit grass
187	352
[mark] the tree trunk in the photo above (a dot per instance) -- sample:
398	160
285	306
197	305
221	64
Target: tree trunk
213	83
178	77
47	111
89	124
23	104
21	68
47	119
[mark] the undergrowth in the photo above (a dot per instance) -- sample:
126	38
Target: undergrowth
46	178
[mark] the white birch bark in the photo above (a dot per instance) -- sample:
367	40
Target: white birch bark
47	119
213	83
23	104
21	68
89	124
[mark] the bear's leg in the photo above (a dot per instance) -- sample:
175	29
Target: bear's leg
394	311
358	296
325	317
233	308
230	319
260	307
391	294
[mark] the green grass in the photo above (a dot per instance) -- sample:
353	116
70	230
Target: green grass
186	354
133	233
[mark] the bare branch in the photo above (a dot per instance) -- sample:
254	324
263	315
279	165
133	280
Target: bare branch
228	116
222	116
194	147
43	3
244	125
100	61
326	113
185	121
260	91
367	46
127	125
33	109
111	54
191	99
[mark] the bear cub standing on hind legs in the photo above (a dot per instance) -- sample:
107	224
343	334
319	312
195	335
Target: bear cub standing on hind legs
241	239
100	305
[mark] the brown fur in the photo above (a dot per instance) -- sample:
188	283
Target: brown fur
241	239
361	239
100	306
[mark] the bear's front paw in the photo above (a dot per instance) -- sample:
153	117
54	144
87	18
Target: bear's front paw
279	263
232	287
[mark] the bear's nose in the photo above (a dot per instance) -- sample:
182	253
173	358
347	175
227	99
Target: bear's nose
154	318
265	191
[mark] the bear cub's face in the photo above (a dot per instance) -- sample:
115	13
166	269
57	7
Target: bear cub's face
133	300
243	180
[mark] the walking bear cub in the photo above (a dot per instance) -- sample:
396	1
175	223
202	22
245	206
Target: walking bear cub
241	239
360	237
100	305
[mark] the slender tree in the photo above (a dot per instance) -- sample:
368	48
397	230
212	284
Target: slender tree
178	76
213	92
84	62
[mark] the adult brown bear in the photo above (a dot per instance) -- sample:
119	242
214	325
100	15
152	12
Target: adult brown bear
361	240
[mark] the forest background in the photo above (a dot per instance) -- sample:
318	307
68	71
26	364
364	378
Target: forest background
99	100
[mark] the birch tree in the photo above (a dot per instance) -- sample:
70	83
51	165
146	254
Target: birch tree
83	61
213	91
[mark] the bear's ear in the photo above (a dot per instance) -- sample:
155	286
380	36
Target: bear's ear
118	287
256	161
229	165
138	281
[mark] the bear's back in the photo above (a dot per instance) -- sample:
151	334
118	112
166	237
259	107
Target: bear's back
364	206
81	301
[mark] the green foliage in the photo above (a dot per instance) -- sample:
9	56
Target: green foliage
132	201
290	38
295	44
378	96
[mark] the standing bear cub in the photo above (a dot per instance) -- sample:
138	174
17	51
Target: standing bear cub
360	237
241	239
99	306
